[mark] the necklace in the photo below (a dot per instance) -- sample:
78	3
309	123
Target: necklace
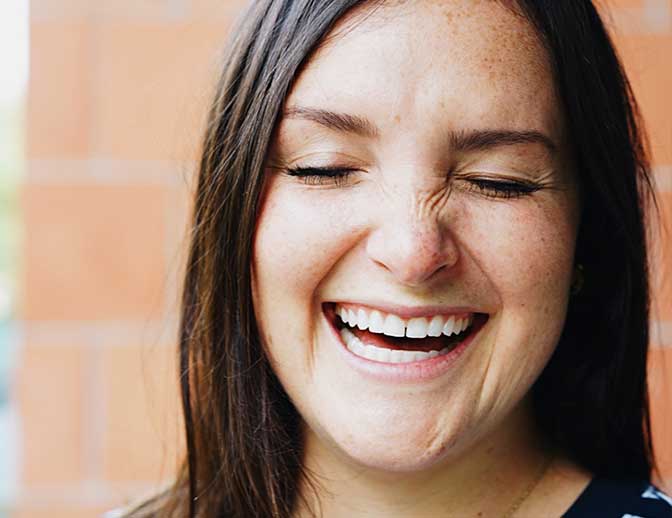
530	487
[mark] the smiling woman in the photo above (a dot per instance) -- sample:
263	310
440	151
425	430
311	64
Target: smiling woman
396	300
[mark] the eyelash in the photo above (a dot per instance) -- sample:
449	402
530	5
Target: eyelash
502	189
338	176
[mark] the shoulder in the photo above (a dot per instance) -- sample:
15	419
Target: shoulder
621	499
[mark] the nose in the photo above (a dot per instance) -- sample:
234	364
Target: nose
414	250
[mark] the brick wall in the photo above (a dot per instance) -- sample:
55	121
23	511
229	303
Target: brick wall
116	100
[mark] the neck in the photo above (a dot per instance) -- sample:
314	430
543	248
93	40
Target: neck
485	479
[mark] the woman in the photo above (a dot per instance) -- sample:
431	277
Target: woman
417	283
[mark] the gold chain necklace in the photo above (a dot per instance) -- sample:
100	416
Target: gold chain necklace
530	487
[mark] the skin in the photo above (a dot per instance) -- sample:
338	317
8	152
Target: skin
410	227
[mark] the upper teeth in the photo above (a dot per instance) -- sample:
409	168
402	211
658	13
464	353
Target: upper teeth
393	325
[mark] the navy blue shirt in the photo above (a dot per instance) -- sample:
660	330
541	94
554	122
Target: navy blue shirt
605	498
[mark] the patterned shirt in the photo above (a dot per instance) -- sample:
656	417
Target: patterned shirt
604	498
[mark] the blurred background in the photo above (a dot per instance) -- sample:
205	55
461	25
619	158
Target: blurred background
101	109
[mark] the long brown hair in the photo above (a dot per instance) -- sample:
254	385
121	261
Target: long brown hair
243	435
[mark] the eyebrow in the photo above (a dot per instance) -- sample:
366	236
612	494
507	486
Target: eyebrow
480	140
463	140
335	121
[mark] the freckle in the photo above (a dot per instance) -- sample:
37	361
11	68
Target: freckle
397	119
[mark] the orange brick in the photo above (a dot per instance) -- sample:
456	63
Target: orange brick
647	63
137	10
154	83
64	10
149	10
93	252
143	414
662	260
207	9
58	511
59	103
50	387
660	389
177	247
59	11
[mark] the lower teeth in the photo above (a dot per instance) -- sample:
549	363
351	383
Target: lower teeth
380	354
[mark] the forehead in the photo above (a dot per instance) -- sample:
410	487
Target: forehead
469	63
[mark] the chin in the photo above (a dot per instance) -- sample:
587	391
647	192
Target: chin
410	458
389	447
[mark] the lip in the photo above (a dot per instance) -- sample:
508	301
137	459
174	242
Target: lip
414	372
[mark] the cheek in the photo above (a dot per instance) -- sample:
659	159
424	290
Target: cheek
298	241
296	244
534	285
526	249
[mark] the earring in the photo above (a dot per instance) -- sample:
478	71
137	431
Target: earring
578	280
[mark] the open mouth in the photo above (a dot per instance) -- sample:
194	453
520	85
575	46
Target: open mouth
389	338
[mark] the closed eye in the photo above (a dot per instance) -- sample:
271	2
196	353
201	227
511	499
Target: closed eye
334	176
505	189
339	176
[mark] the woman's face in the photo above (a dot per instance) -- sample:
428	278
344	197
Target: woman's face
447	199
